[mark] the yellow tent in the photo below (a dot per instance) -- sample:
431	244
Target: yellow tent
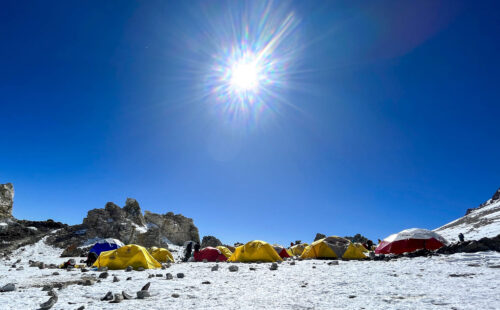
227	253
333	247
361	247
129	255
162	255
297	249
255	251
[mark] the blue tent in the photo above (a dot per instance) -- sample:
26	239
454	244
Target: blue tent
106	245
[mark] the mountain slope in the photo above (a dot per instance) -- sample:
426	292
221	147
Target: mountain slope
483	221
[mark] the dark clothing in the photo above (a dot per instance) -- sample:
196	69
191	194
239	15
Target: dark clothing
187	254
91	258
461	237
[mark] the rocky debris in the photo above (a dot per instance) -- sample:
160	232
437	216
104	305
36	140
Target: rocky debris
103	275
143	294
140	269
151	276
115	279
319	236
357	238
252	268
6	200
233	268
210	241
274	266
81	308
158	275
9	287
205	282
472	246
493	199
88	282
333	263
55	273
108	296
126	296
169	276
49	303
175	295
129	268
292	262
117	298
128	278
180	275
215	268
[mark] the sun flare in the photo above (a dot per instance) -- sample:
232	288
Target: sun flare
245	75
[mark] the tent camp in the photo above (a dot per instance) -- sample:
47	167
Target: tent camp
128	255
410	240
162	255
106	245
255	251
210	254
282	252
224	250
297	249
333	247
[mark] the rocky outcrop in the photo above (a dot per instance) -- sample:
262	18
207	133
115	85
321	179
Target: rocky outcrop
6	200
129	225
210	241
319	236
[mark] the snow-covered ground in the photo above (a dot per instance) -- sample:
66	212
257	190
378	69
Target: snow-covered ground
459	281
482	222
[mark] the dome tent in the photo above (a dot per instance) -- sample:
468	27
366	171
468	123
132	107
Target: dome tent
162	255
255	251
224	250
210	254
298	249
128	255
410	240
106	245
282	252
333	247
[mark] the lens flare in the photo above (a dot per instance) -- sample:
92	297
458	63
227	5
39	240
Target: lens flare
245	75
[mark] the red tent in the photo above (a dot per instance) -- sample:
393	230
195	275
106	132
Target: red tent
410	240
281	251
210	254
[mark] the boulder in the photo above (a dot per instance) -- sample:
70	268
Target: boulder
319	236
6	200
210	241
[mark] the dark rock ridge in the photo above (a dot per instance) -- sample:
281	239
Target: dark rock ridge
210	241
493	199
6	200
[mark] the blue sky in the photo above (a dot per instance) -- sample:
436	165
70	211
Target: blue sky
384	115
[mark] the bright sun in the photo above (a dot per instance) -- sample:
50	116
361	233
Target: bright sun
245	75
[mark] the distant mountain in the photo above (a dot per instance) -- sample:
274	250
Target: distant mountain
483	221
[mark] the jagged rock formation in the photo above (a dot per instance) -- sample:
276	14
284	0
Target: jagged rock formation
129	225
210	241
319	236
6	200
483	221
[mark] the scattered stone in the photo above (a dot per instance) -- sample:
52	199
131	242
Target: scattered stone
143	294
233	268
494	266
108	296
81	308
41	266
175	295
352	296
115	279
180	275
314	267
129	268
150	276
169	276
102	269
458	275
140	269
292	262
205	260
13	266
159	275
88	282
52	293
205	282
104	275
55	273
146	287
9	287
333	263
49	303
253	268
117	298
46	288
215	268
274	266
129	278
20	268
126	296
84	270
